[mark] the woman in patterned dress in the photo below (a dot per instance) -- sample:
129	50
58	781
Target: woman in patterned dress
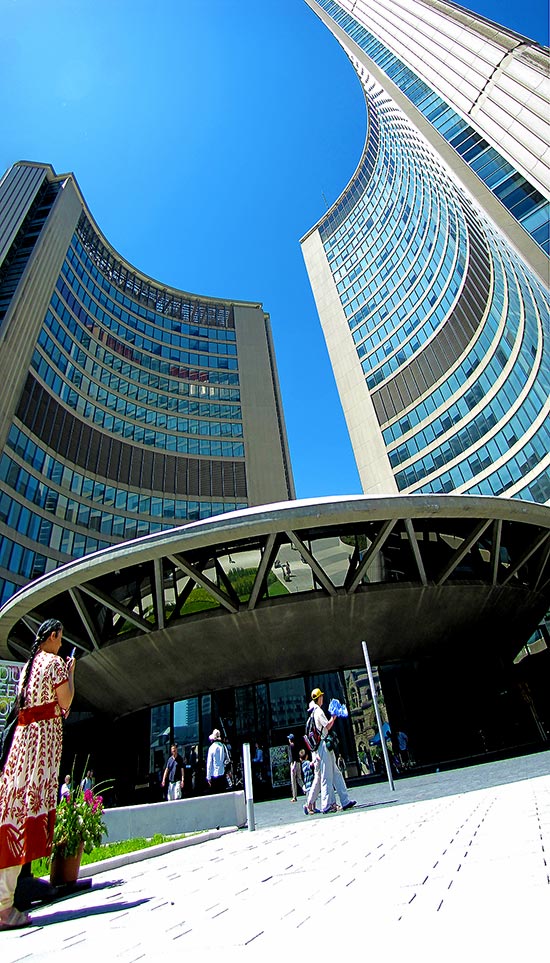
28	785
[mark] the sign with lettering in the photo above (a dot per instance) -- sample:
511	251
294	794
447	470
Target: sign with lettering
9	680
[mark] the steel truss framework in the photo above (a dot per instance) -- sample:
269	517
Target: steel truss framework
354	563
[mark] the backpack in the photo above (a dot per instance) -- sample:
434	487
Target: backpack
312	736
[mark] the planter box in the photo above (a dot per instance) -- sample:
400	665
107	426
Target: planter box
179	816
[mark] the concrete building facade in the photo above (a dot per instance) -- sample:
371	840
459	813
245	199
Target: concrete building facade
430	272
126	406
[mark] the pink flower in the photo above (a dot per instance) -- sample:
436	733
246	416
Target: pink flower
98	801
89	796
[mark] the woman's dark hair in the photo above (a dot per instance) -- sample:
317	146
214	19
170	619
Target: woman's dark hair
44	630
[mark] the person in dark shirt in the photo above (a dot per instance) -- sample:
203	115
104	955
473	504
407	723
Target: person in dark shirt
174	774
295	768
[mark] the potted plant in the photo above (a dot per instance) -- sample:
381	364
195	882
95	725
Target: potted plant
79	828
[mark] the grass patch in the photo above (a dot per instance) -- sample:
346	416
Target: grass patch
41	867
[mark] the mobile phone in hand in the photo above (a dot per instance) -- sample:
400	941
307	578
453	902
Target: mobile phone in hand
73	652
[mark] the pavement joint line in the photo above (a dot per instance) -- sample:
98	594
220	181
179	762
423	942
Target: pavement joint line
398	846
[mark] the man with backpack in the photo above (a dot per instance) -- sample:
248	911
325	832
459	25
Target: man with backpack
318	730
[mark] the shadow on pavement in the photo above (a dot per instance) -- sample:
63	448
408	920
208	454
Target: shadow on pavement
64	916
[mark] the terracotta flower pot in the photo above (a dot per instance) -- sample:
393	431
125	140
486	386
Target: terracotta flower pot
65	869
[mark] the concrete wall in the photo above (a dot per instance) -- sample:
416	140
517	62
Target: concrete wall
175	818
268	470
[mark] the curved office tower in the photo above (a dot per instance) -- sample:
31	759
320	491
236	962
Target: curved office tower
430	271
126	406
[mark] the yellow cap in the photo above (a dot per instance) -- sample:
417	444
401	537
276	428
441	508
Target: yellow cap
316	694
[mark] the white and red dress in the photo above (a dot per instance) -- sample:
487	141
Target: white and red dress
28	786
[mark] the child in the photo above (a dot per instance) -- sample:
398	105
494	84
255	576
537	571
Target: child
310	768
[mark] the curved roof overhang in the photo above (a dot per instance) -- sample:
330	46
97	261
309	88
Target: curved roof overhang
207	605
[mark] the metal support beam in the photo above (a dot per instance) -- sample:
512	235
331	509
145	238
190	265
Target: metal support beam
203	580
158	593
461	552
85	618
181	597
543	565
413	541
542	538
319	573
114	606
369	556
269	552
225	581
495	549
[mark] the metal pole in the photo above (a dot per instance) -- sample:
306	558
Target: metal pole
378	716
248	787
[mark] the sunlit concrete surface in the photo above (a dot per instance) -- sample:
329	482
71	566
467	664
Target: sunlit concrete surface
450	866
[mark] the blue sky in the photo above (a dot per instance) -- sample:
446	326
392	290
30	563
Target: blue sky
207	137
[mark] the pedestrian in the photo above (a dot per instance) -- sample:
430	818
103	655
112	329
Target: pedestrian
174	776
295	768
312	782
403	743
307	770
258	762
88	781
65	788
315	788
331	777
217	761
28	784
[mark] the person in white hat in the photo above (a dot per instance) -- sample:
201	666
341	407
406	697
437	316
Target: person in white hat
217	760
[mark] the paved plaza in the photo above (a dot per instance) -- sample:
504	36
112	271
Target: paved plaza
450	866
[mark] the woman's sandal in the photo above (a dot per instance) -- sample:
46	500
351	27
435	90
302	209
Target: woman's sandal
13	919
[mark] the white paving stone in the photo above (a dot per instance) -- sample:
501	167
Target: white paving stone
453	865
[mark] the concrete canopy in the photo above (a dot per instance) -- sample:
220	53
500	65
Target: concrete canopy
212	604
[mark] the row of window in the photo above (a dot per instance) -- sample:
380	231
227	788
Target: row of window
140	383
80	397
116	354
145	298
498	481
100	493
20	518
409	292
499	444
116	334
537	490
140	434
522	199
29	564
165	329
469	396
520	291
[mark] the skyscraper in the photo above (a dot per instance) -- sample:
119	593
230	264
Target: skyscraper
430	271
126	406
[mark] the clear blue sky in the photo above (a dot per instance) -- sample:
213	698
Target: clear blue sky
207	138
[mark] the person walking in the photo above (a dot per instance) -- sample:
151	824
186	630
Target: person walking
312	781
217	761
331	777
295	768
174	775
28	784
65	789
88	781
258	762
